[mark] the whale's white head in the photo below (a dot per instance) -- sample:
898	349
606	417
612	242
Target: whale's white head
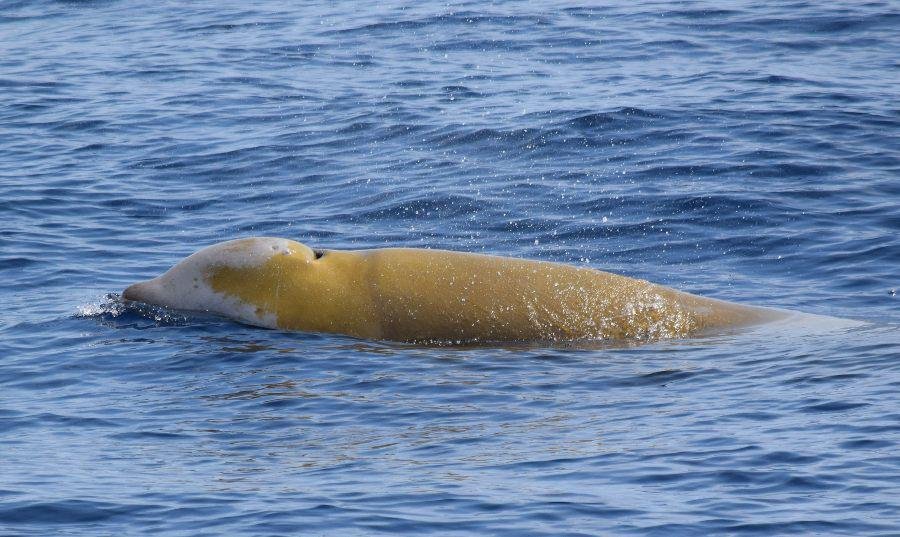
194	284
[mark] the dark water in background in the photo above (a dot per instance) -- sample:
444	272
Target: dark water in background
739	151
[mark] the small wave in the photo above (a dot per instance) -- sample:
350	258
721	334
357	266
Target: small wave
110	305
113	307
620	116
441	21
65	512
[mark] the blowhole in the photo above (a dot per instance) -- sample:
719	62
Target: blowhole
319	253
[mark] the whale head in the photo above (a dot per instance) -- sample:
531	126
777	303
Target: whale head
218	278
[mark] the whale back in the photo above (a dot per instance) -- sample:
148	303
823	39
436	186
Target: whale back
442	295
411	294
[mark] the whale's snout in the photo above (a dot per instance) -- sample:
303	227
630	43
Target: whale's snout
140	292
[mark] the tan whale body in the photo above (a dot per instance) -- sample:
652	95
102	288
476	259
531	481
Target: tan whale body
409	294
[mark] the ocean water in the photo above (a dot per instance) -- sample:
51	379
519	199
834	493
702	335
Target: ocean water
742	151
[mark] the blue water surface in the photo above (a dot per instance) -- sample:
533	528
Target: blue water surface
743	150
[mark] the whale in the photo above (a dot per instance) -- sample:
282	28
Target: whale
426	295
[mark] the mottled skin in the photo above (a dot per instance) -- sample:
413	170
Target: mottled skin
411	294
